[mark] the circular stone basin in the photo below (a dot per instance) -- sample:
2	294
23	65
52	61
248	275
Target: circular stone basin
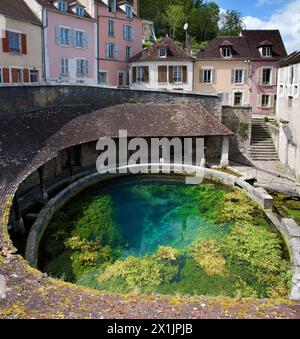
162	236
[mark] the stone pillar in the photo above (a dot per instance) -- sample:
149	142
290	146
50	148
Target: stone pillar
18	223
44	194
225	152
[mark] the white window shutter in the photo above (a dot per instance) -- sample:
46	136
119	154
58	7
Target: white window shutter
233	76
116	52
132	33
201	76
107	50
214	76
259	100
245	74
260	76
85	40
274	76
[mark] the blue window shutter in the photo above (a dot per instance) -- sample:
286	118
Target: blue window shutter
107	50
58	35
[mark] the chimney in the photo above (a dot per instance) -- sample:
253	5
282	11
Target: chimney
136	6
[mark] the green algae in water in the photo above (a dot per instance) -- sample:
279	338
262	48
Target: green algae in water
129	224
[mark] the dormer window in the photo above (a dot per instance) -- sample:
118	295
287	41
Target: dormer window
226	52
266	51
62	6
128	11
112	6
163	52
79	11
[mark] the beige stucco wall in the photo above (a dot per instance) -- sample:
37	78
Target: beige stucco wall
223	79
33	59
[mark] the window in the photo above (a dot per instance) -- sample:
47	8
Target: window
17	75
111	28
239	76
103	78
62	6
267	52
227	52
163	52
81	67
207	76
129	11
79	11
177	74
238	98
162	74
65	36
34	76
80	39
140	74
225	98
266	76
128	52
281	90
290	102
14	41
64	66
265	100
112	6
128	33
111	51
296	90
291	75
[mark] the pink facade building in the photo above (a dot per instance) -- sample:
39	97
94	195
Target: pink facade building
119	37
266	49
69	41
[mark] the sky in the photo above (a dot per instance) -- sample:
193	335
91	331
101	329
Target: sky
270	14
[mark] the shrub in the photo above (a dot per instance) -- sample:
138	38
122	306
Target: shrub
145	273
207	254
237	207
260	248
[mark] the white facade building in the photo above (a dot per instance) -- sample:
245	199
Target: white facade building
163	66
288	112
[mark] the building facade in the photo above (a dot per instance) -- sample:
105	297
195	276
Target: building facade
222	67
163	66
69	41
243	69
287	113
266	49
21	44
120	36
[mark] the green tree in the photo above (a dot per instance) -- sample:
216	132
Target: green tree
175	18
231	23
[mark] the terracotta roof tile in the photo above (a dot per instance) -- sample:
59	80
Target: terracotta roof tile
151	53
212	50
19	10
256	37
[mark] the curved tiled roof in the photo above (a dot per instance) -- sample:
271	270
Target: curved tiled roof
292	59
212	50
151	53
273	37
19	10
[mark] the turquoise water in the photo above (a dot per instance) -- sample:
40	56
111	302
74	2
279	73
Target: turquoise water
163	236
149	214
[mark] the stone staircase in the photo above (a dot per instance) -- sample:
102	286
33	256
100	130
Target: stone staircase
262	146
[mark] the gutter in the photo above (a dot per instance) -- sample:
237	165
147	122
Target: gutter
98	45
44	27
